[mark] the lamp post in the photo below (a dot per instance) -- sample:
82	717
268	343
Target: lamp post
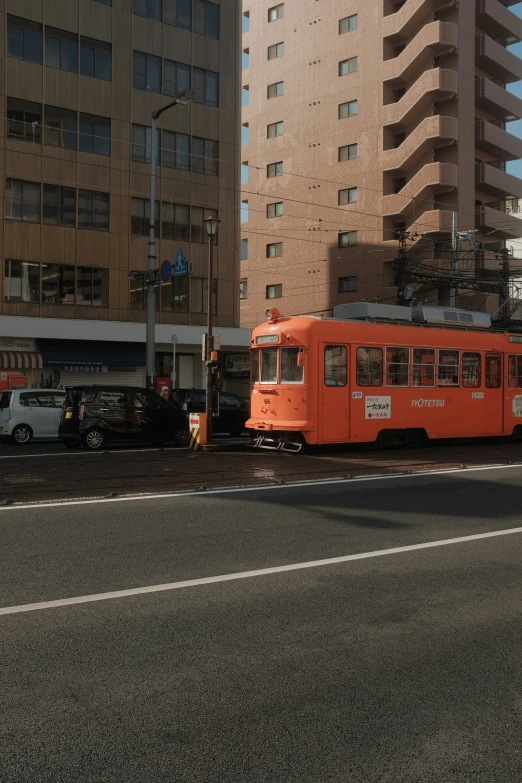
211	224
151	275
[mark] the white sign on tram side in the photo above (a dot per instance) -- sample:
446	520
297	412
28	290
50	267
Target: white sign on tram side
377	407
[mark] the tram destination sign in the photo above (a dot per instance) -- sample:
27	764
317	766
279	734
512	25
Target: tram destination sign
265	339
515	338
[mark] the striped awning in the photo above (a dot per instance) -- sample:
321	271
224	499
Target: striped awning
20	360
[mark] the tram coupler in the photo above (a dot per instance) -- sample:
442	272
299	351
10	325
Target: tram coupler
279	444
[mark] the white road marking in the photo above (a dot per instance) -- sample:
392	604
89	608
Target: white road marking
209	580
252	488
82	453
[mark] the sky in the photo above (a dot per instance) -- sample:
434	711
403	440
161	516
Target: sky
515	166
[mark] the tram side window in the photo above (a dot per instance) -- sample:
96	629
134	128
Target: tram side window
269	365
335	365
397	366
255	365
493	371
471	370
448	368
514	371
369	366
424	367
291	372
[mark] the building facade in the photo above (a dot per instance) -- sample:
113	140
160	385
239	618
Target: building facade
364	119
78	83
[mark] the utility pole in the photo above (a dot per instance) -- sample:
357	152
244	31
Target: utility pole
211	225
401	266
151	275
504	293
453	288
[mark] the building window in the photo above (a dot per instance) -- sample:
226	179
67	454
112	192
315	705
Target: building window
275	90
95	58
199	295
243	250
204	156
348	66
205	18
93	210
175	295
348	109
21	281
57	284
146	72
92	287
24	39
175	221
274	129
347	239
348	152
61	50
276	50
178	13
59	206
22	200
176	150
274	250
243	288
369	366
104	2
274	169
137	293
346	284
141	144
347	196
148	8
60	128
274	210
206	87
24	120
276	12
274	291
198	232
335	365
140	211
176	77
348	24
95	135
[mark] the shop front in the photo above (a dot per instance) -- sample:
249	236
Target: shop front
20	362
79	362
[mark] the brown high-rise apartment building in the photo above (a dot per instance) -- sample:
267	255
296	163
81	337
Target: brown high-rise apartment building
364	117
78	82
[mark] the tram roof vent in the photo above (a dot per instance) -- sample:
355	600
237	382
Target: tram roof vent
449	316
372	311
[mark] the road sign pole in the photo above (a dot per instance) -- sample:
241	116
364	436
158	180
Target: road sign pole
150	341
174	341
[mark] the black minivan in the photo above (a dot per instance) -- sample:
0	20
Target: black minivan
231	411
93	415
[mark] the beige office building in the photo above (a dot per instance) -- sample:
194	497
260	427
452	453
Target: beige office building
364	117
78	82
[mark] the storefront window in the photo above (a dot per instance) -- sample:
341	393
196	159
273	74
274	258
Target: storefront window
21	281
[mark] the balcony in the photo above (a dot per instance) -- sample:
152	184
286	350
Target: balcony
497	142
493	58
437	84
504	226
497	182
431	133
404	23
496	100
498	21
431	41
432	178
434	221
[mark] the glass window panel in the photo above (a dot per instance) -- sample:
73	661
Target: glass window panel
101	211
196	220
139	71
31	207
69	56
51	196
205	296
196	295
448	374
85	204
182	151
84	286
21	281
86	137
335	365
33	46
369	366
15	41
471	370
291	372
423	367
181	294
139	139
181	218
153	73
211	88
100	287
493	371
269	365
212	20
254	367
68	207
87	61
169	77
102	139
103	65
198	154
52	51
137	293
198	17
397	366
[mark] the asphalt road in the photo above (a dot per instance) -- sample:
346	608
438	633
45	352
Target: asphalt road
402	667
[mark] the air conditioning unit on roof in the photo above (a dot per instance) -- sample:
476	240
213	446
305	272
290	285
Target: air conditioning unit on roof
356	311
450	316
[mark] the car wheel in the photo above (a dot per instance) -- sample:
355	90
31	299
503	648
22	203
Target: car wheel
181	436
93	439
21	434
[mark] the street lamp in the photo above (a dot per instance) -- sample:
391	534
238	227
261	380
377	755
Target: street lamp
211	225
151	275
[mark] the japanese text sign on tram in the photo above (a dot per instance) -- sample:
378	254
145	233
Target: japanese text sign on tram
377	407
180	266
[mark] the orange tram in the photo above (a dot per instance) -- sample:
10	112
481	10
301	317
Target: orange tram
374	373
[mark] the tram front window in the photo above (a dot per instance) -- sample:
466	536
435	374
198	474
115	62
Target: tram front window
291	372
269	365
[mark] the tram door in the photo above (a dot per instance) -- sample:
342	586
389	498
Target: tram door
333	394
494	395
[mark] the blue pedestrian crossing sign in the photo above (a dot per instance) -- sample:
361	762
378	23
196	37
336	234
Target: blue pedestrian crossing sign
180	266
